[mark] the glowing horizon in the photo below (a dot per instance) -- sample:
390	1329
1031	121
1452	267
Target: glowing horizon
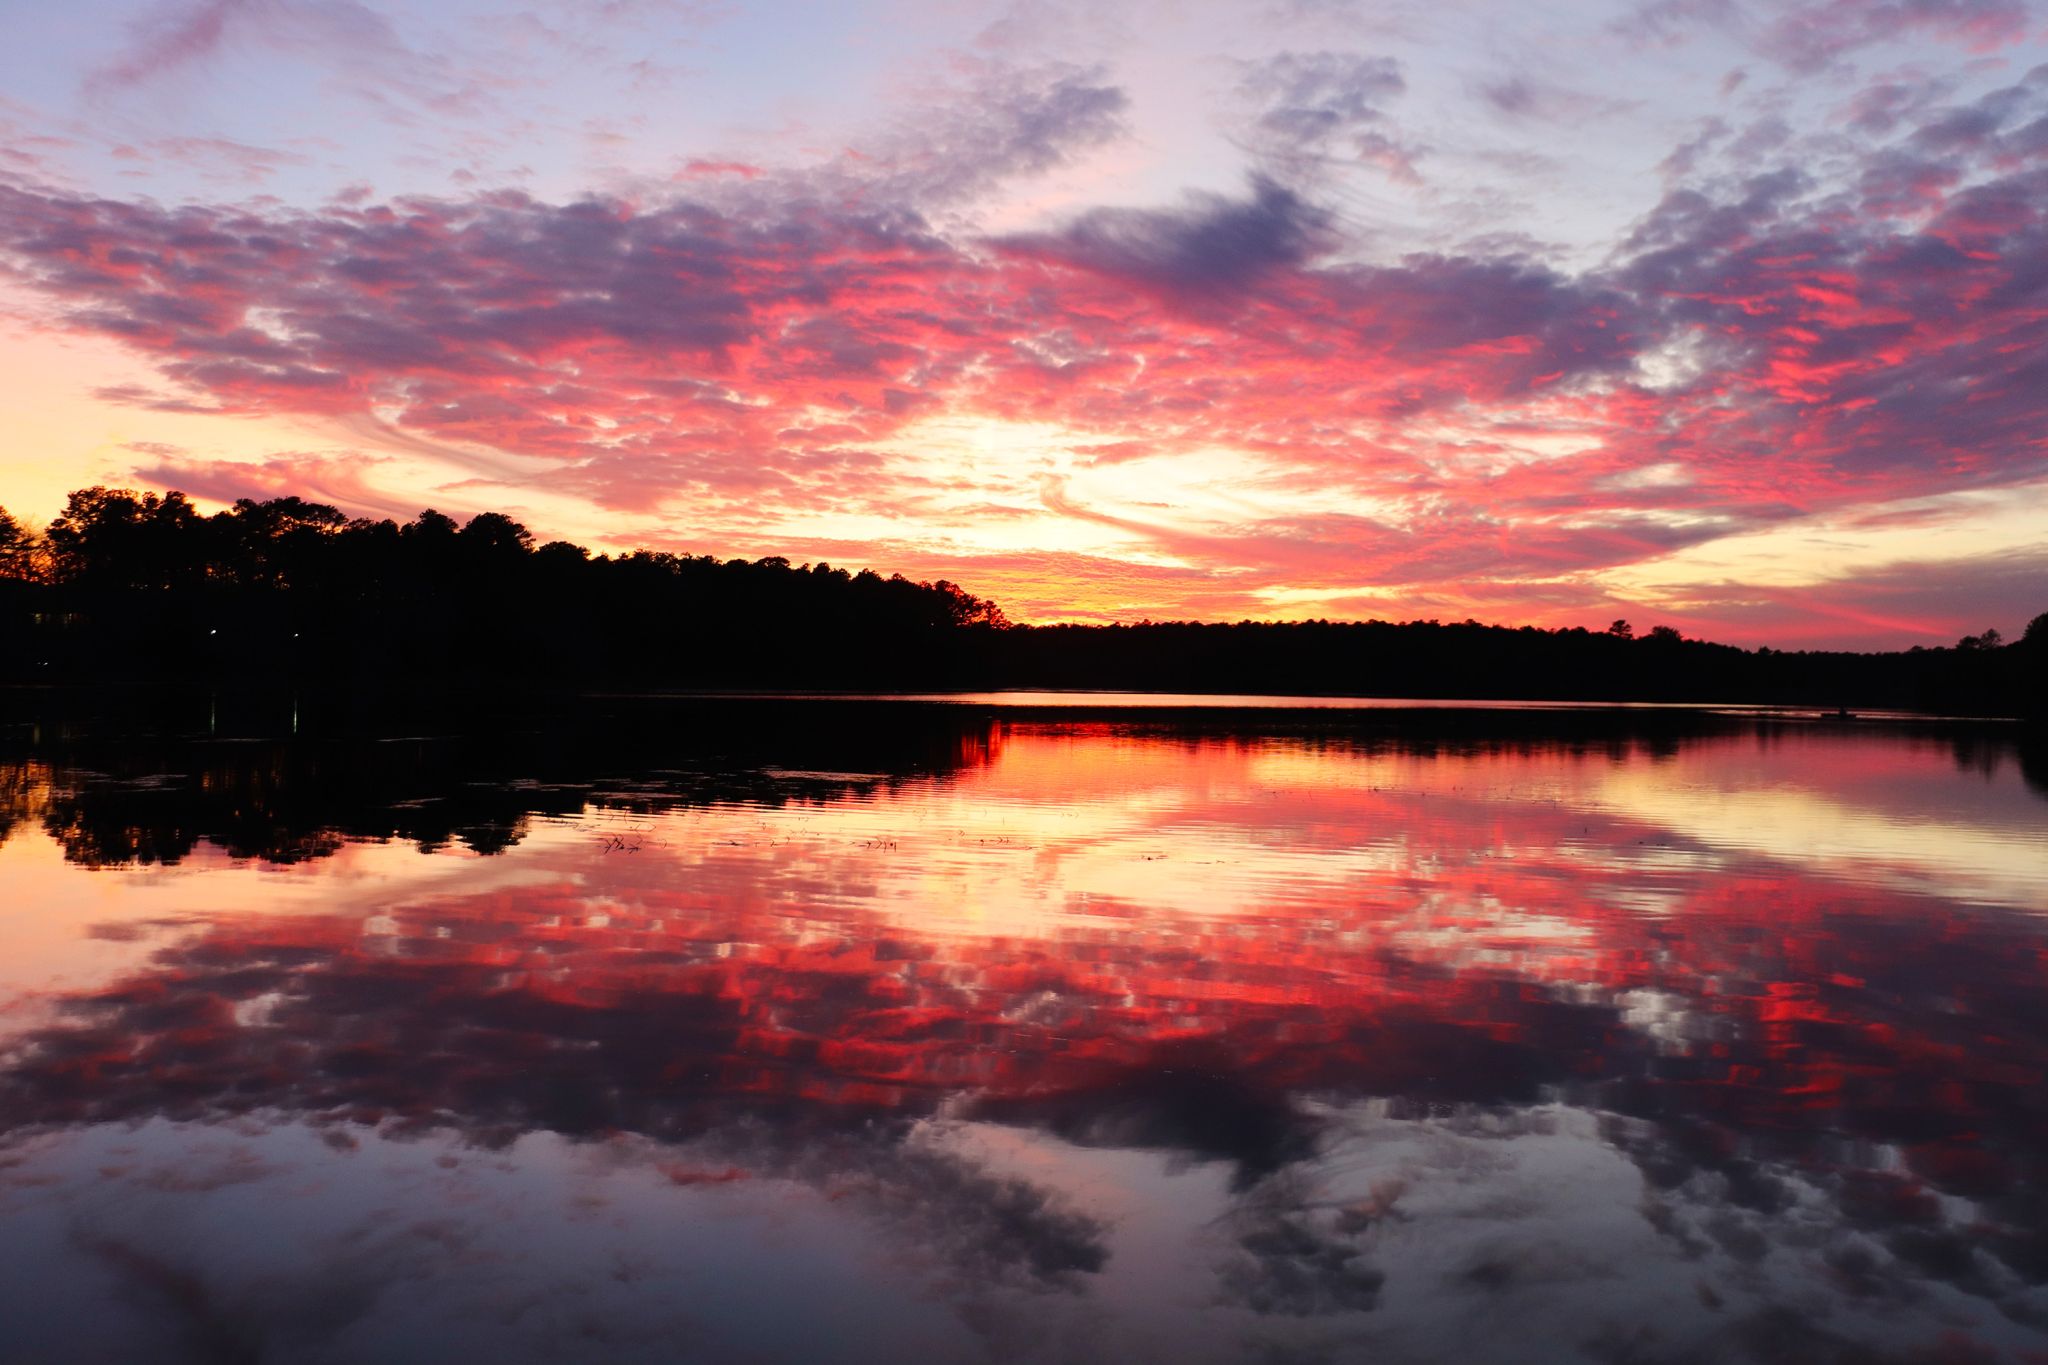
1722	316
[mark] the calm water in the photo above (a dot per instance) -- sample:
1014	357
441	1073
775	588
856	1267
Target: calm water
808	1032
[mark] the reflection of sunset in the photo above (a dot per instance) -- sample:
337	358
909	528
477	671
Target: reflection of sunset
1114	894
1273	956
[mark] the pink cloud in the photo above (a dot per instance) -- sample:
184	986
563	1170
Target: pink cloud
1760	347
698	168
341	480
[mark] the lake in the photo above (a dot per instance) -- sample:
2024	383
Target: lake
787	1030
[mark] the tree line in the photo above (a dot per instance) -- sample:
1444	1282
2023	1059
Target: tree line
1980	676
142	586
127	585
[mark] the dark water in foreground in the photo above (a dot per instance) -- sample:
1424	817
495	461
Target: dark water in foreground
840	1033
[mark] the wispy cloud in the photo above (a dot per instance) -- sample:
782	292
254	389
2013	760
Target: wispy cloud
357	44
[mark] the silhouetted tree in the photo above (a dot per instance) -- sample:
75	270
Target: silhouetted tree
144	586
278	543
493	534
18	549
112	538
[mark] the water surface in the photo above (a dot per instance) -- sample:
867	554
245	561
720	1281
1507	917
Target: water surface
807	1031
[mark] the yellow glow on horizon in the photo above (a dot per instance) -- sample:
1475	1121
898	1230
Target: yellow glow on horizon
1813	551
62	437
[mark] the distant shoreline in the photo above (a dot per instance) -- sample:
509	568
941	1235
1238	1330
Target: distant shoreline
1109	699
141	588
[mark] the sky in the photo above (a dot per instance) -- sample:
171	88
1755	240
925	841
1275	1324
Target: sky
1725	314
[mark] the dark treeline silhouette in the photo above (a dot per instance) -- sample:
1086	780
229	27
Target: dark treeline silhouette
127	585
142	586
1979	676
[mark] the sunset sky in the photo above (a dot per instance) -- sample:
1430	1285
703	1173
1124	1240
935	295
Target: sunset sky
1727	314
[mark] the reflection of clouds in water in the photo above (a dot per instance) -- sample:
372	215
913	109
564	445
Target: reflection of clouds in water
182	1243
1485	1235
1188	1099
1291	1254
1669	1017
1133	1038
981	1228
1865	1226
1466	1232
1897	812
1330	1035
